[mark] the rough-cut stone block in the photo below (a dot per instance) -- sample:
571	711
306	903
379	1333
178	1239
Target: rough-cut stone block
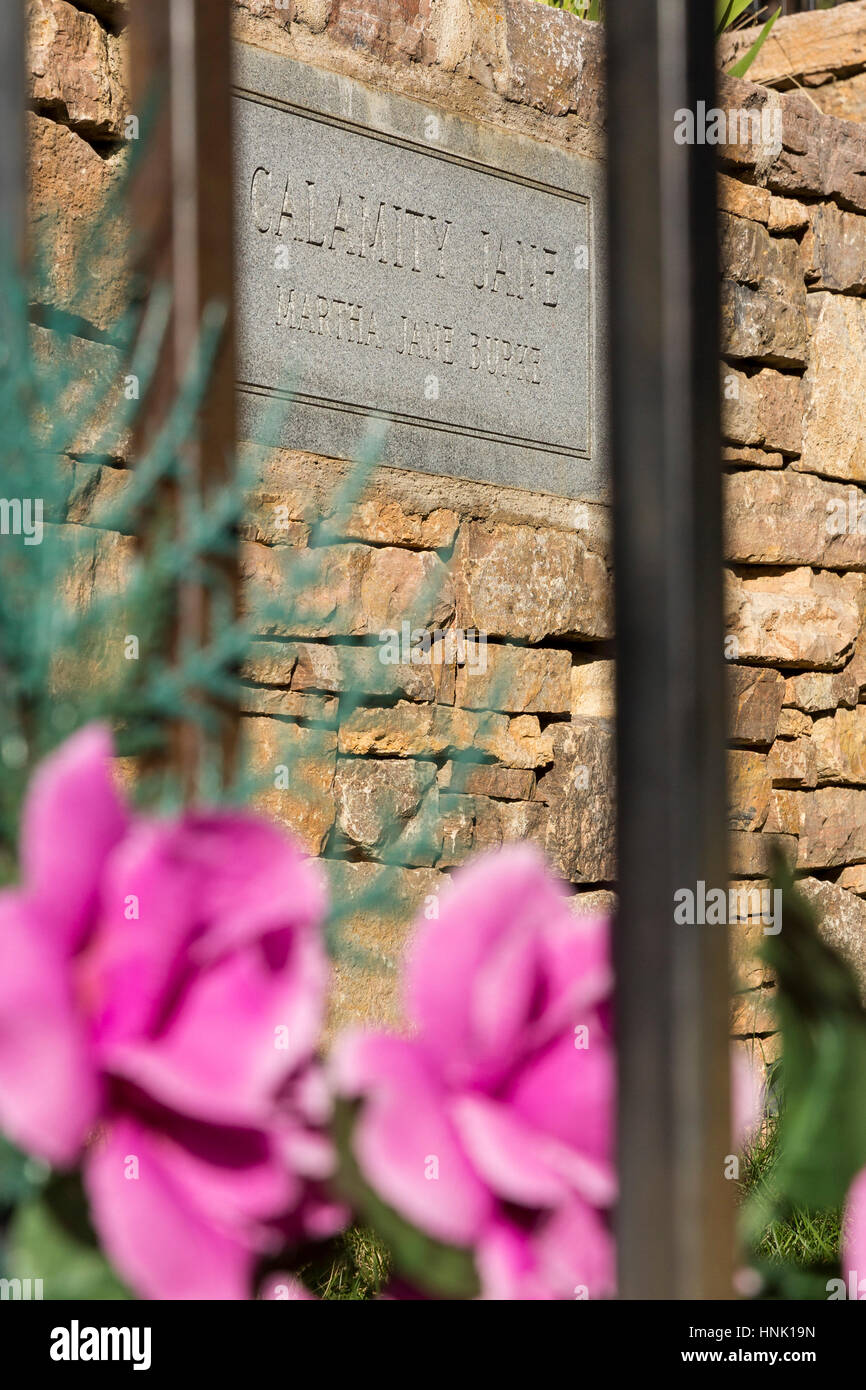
98	497
783	817
593	688
853	878
749	789
741	455
763	298
384	521
834	438
801	48
525	680
75	69
474	824
746	934
96	566
752	856
793	763
377	906
752	1012
794	724
81	254
416	730
82	420
765	409
791	519
820	155
834	249
844	99
832	827
787	216
485	779
841	922
387	807
595	902
817	691
580	788
755	697
840	746
288	704
307	666
293	769
796	618
517	581
344	590
743	199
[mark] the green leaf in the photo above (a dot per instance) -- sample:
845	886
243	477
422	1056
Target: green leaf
444	1271
728	12
742	67
20	1176
822	1124
51	1239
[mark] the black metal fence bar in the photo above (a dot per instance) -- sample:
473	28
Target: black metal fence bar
12	108
182	209
674	1236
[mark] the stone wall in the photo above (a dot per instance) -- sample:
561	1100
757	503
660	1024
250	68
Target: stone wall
531	570
821	51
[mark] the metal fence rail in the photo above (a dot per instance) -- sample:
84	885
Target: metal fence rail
674	1234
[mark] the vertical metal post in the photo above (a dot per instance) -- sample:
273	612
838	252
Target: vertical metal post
12	153
182	214
675	1232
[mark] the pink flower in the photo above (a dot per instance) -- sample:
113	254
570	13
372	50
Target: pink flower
854	1237
161	993
491	1127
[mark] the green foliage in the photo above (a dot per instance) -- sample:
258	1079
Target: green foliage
442	1271
51	1238
741	67
353	1268
584	9
729	15
799	1171
797	1253
822	1141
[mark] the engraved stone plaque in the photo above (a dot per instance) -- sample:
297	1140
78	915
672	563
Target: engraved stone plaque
400	262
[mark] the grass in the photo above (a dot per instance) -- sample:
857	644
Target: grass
357	1265
357	1268
806	1239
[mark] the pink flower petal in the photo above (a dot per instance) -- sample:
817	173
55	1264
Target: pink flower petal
404	1142
568	1092
747	1095
202	889
505	894
73	817
508	1155
156	1236
576	1252
49	1091
854	1230
508	1267
239	1029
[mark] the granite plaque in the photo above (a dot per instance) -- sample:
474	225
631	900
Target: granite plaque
400	262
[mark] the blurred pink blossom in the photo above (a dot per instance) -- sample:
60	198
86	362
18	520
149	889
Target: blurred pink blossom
491	1126
161	992
748	1096
854	1235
